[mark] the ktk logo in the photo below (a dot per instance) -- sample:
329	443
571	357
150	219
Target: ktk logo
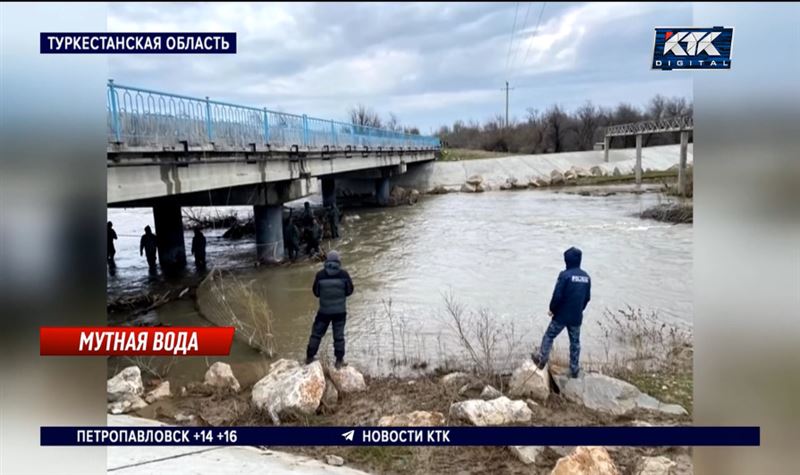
692	48
696	42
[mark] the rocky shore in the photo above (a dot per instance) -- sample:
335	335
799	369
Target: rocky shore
292	393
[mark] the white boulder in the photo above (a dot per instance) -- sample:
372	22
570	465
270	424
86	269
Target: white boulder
124	384
526	453
347	379
498	411
160	392
220	375
289	389
490	392
529	381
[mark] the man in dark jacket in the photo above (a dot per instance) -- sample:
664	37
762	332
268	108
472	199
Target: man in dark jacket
149	245
111	236
332	286
292	237
199	248
572	293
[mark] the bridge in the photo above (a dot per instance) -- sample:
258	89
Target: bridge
167	150
683	125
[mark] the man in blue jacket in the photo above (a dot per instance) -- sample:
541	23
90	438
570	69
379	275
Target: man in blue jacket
332	286
572	293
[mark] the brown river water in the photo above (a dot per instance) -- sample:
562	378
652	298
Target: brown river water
498	251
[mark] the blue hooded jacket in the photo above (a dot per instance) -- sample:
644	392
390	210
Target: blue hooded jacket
572	292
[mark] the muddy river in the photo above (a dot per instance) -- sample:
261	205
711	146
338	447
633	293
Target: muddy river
499	252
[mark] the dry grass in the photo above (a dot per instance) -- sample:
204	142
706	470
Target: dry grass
491	345
456	154
226	300
670	213
156	366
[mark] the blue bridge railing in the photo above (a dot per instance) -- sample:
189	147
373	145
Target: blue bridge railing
145	118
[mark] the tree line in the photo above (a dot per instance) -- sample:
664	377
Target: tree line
367	117
558	130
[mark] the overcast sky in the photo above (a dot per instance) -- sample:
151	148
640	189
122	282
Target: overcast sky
428	63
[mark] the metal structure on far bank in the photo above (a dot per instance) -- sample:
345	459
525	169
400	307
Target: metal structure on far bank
683	124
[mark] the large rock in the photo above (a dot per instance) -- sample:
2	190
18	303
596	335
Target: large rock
455	379
656	466
496	412
347	379
580	172
597	170
490	392
331	395
412	419
610	395
526	453
586	461
220	375
556	178
475	180
289	389
529	381
160	392
127	403
539	182
400	195
124	384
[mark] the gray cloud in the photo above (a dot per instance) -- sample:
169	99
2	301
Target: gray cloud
429	63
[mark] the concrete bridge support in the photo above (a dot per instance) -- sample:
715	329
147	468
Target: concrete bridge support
269	232
169	233
682	163
638	168
383	186
328	191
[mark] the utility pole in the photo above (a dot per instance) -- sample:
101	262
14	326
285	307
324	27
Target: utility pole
506	104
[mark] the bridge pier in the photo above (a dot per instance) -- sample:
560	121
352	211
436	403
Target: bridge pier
169	233
328	191
638	168
269	232
682	163
383	187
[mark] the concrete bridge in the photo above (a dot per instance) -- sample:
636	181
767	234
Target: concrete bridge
166	151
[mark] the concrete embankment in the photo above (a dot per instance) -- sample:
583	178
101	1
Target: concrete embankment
496	171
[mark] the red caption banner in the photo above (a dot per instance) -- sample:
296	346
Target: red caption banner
135	341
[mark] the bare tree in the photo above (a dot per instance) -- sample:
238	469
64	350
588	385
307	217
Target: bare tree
364	116
556	124
588	122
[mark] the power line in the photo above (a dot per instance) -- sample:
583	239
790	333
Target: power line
535	30
524	24
511	41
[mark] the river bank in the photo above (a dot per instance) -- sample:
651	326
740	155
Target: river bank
430	400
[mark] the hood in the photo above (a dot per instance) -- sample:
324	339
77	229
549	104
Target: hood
572	257
332	267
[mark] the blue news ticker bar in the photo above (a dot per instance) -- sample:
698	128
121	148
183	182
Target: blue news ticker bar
431	436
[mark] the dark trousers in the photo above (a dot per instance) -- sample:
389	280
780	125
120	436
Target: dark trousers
321	322
292	250
551	333
151	258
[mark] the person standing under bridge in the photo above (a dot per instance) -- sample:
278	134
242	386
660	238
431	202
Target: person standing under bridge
570	297
332	286
149	246
199	249
111	236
